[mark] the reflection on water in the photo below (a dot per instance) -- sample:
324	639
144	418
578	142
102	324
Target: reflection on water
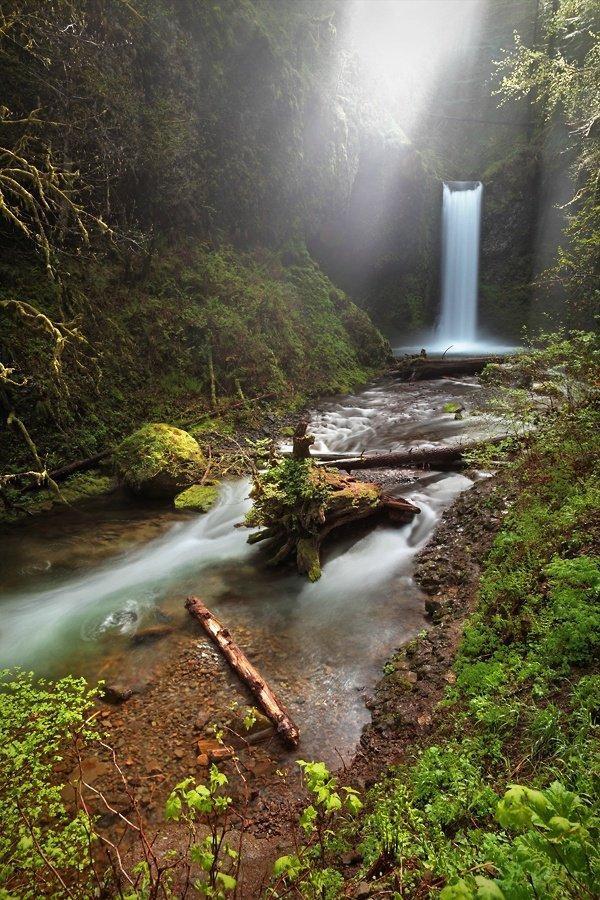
79	586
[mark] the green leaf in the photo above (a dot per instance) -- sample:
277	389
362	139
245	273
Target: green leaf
488	889
287	865
353	803
173	807
228	881
458	891
307	819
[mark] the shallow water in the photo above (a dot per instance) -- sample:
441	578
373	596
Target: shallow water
76	587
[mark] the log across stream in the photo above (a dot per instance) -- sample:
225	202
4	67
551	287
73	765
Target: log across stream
100	590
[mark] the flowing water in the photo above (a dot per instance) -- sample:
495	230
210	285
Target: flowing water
76	587
461	223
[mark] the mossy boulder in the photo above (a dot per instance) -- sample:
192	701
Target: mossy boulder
159	461
199	497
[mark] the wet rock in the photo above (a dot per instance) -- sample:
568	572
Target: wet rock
363	890
435	608
116	693
198	497
159	460
212	749
152	633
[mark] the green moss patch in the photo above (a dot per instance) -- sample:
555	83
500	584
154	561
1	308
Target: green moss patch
80	487
159	460
199	497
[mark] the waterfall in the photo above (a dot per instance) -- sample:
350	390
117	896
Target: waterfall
461	221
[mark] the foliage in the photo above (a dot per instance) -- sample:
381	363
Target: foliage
43	844
562	76
554	856
217	860
553	377
331	805
154	336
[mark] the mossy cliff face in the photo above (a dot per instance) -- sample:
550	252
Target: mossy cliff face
274	324
159	460
508	222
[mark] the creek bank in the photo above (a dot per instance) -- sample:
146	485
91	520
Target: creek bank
403	704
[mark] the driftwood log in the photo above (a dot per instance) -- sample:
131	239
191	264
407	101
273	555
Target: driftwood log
420	368
240	663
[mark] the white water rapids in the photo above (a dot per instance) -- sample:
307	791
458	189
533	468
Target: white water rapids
78	586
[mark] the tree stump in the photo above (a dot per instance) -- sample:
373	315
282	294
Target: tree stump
298	505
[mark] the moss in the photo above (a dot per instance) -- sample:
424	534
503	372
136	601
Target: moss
159	460
215	425
86	485
80	487
307	558
283	334
199	497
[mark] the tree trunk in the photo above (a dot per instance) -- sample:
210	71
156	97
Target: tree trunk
243	667
302	441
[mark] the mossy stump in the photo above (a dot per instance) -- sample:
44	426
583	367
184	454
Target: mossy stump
298	504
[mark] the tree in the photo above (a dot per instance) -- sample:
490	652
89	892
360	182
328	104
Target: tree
562	76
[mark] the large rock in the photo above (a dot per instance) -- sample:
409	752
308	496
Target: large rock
199	497
159	460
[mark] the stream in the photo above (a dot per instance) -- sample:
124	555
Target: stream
78	587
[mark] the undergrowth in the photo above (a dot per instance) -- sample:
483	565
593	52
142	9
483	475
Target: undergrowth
501	803
504	802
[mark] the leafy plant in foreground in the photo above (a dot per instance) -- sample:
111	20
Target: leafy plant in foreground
555	854
43	845
309	869
213	854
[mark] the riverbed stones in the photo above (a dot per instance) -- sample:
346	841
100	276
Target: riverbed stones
159	461
213	750
151	634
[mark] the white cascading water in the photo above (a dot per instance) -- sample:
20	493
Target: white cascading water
461	224
315	641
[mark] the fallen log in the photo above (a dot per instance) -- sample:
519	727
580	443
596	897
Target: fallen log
323	455
80	465
438	457
240	663
421	368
